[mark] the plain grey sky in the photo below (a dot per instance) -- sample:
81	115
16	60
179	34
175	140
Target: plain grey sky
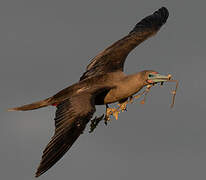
45	46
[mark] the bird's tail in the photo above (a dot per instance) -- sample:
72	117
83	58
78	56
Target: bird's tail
35	105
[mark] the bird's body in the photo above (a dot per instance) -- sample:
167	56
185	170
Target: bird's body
109	80
119	86
103	82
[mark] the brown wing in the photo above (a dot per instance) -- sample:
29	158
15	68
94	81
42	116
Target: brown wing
113	58
72	115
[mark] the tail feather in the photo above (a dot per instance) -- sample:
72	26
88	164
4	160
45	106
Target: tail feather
35	105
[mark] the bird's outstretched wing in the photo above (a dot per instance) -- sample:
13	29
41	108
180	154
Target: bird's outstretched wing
113	58
72	115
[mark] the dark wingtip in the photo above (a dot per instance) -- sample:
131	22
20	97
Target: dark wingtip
163	13
40	171
156	20
37	175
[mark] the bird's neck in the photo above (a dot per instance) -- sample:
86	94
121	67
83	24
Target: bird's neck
134	82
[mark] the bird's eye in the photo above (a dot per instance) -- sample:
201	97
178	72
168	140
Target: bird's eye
151	75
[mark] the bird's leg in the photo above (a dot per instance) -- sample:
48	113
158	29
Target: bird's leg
131	99
109	112
123	104
95	122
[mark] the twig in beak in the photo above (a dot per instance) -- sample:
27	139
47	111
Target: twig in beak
145	92
174	91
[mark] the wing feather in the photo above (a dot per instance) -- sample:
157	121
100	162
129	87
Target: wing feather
113	58
72	116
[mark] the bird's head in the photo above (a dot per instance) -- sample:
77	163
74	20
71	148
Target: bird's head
152	77
149	78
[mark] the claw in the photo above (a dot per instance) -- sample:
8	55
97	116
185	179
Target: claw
123	106
115	114
109	112
112	111
107	115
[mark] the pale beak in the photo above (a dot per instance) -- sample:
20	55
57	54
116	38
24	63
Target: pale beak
158	78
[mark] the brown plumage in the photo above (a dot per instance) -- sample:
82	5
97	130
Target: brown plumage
104	82
113	57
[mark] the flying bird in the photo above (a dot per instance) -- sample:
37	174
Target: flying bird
103	83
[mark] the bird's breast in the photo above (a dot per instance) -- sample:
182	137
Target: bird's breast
119	93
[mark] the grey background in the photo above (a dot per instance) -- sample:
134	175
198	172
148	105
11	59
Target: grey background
45	46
